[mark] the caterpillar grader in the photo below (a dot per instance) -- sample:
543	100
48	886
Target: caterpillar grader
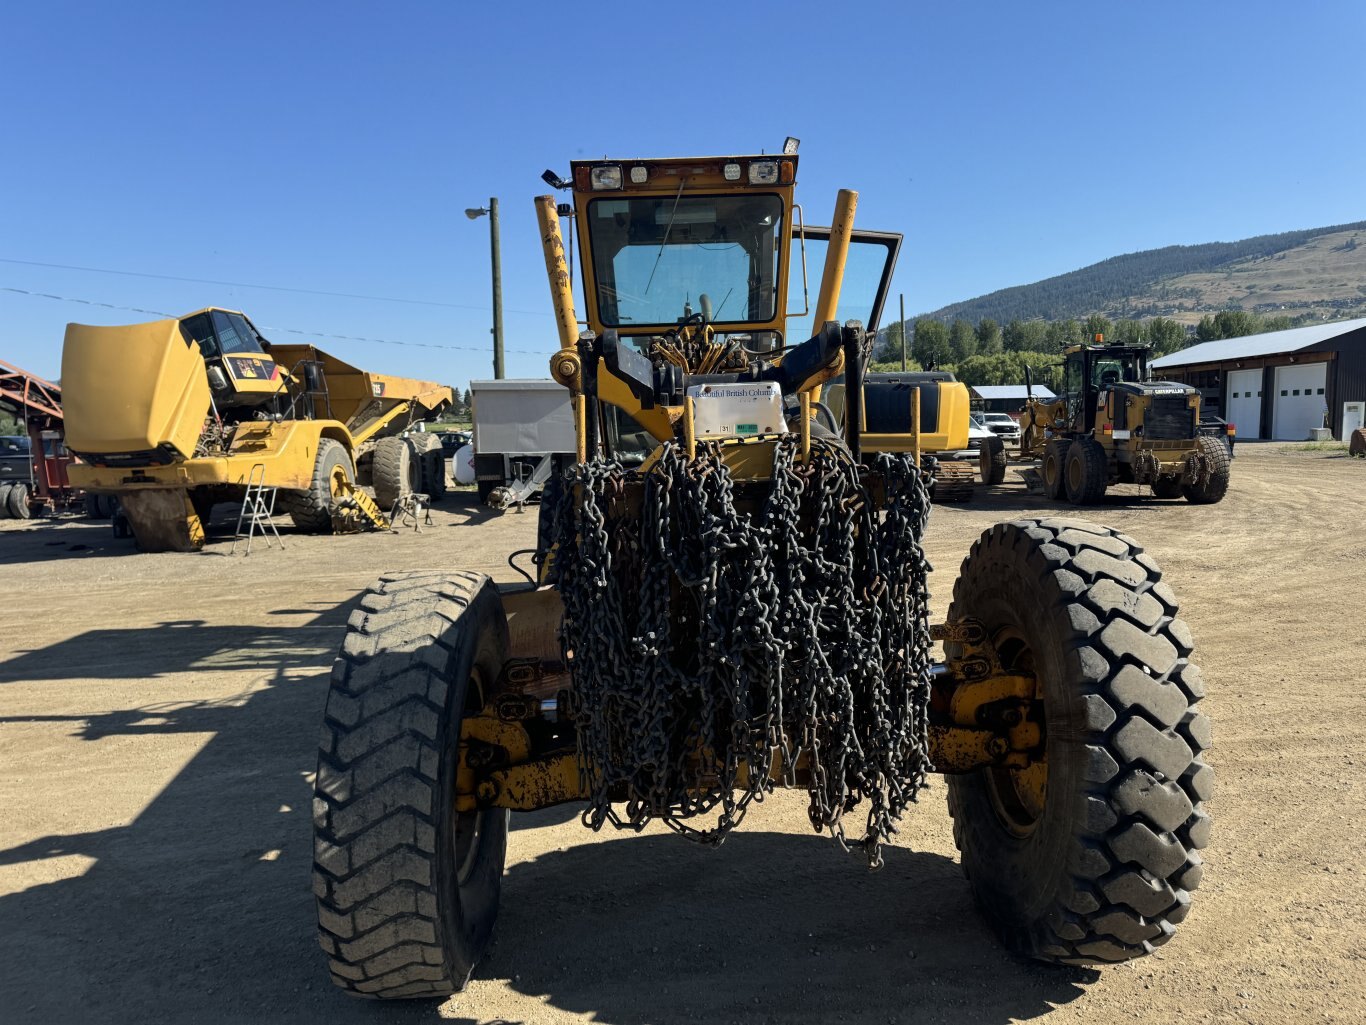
746	608
1112	425
174	416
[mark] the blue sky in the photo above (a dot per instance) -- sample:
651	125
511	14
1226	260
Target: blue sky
334	147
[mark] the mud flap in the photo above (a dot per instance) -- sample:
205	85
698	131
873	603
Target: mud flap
163	521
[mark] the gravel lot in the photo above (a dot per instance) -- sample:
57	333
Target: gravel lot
158	722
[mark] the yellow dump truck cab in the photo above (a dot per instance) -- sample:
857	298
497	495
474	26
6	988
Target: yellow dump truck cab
175	415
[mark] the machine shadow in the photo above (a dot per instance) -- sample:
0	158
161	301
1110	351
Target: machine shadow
773	927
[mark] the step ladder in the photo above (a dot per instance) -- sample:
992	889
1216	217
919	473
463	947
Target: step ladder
258	506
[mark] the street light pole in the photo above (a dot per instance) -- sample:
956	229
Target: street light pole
497	290
474	213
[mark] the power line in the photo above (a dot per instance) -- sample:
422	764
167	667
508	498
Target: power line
268	327
268	288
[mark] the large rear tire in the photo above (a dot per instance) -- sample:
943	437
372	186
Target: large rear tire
311	510
431	464
1089	854
1054	469
407	889
16	502
991	460
1087	472
1213	485
393	471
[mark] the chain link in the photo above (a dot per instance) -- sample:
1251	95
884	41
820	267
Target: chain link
716	653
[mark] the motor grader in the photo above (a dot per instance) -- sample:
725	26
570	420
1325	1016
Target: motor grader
745	608
1112	425
176	415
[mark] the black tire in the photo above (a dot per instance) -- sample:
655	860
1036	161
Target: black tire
16	502
1102	869
392	471
108	505
407	889
991	460
1087	472
4	500
311	510
430	461
93	508
1167	487
1054	469
1213	486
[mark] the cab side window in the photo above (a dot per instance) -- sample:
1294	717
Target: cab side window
198	330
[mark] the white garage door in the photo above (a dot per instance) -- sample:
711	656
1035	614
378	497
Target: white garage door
1299	401
1245	402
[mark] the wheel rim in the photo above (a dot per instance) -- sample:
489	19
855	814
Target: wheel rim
467	827
1074	474
338	481
1018	795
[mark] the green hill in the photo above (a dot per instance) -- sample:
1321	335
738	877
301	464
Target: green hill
1317	271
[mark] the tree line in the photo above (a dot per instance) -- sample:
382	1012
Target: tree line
991	353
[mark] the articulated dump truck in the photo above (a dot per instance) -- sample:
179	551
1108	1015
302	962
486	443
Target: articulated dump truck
177	415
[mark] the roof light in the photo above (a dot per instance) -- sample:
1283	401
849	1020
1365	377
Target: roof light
763	172
731	172
607	176
639	174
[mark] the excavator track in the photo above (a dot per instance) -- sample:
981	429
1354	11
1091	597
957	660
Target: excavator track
953	481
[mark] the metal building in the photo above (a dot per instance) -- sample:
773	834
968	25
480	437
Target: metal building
1281	384
1006	398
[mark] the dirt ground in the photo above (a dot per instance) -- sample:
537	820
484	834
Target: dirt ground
158	723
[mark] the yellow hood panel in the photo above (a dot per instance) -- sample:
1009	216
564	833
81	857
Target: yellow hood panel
132	388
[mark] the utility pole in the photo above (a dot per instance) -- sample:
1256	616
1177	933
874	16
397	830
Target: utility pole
904	343
474	213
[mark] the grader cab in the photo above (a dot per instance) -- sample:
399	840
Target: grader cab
745	607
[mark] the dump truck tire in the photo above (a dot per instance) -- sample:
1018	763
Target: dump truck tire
991	460
311	510
1054	469
1087	472
16	502
93	509
1213	486
1099	863
1167	487
430	460
392	470
407	889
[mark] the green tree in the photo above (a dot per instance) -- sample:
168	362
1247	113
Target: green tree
962	340
930	343
1097	324
1165	336
1129	332
1060	334
891	343
989	337
1024	335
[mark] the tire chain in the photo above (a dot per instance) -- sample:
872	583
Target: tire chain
710	650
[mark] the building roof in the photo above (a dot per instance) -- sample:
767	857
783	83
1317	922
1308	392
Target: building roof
1009	391
1266	344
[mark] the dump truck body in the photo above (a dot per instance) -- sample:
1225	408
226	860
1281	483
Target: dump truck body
201	405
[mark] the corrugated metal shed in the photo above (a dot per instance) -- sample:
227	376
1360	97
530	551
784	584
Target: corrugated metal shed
1250	346
1008	392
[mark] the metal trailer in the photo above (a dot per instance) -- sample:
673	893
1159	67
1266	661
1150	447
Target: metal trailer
35	481
523	434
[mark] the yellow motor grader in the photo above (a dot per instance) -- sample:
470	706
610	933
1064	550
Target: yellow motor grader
176	415
730	597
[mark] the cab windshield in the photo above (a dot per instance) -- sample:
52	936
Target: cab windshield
655	258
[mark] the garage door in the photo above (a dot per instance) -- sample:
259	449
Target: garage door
1245	402
1299	401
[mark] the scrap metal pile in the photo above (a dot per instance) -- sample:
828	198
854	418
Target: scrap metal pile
722	643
